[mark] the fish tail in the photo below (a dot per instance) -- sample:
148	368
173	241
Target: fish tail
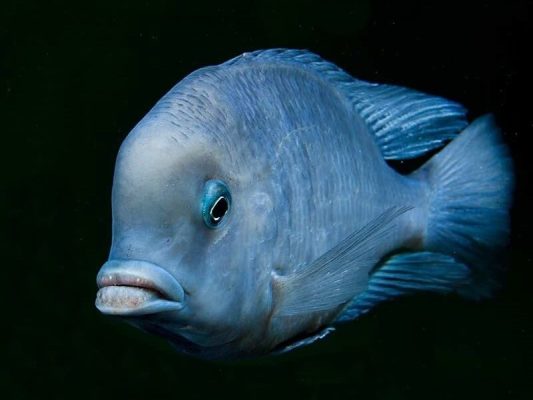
470	192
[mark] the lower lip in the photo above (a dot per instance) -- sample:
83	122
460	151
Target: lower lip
132	301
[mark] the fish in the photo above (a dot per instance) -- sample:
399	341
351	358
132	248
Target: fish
256	207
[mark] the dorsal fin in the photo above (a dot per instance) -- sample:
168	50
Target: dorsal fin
406	123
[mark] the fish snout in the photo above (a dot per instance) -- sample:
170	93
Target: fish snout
135	287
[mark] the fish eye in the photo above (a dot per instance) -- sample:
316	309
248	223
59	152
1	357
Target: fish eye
216	203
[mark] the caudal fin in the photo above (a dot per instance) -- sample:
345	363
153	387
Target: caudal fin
471	184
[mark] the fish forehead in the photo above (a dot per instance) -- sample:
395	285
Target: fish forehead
181	137
155	158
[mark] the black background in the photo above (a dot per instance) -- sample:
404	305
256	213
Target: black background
74	79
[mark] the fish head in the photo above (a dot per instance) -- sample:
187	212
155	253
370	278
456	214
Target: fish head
193	230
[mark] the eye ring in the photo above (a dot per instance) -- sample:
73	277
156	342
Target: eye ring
216	203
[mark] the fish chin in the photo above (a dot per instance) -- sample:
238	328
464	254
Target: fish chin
184	337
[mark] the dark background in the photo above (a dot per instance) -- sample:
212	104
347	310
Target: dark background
76	77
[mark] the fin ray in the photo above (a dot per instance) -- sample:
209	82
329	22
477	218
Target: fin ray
405	274
305	341
339	274
471	183
406	123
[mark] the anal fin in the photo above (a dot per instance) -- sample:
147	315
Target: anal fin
305	341
408	273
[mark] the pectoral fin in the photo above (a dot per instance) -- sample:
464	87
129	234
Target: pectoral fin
339	274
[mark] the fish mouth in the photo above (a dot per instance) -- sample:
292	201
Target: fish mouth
135	288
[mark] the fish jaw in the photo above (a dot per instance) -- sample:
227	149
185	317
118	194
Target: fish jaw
136	288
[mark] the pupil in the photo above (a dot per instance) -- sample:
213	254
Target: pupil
219	209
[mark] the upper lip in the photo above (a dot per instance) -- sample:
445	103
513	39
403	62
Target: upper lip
141	274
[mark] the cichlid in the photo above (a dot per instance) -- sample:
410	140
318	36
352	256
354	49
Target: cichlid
254	209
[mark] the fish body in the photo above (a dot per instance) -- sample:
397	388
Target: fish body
253	207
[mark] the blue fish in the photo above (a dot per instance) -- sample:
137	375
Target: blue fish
254	209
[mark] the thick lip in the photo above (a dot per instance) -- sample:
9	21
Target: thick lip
135	287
